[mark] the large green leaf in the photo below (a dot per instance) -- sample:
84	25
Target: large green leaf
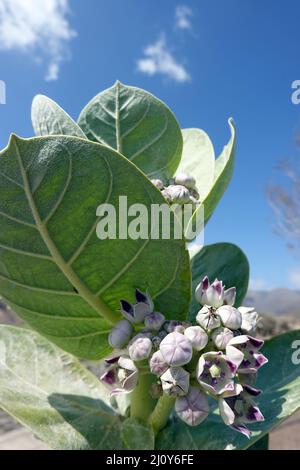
137	435
48	118
280	382
222	176
54	270
198	159
224	261
52	394
138	125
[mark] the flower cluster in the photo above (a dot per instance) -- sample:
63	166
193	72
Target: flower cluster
179	190
218	357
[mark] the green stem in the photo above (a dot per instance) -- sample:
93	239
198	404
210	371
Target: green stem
142	403
161	413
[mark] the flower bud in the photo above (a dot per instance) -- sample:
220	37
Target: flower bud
136	313
167	195
175	381
229	296
120	334
184	179
176	349
211	295
140	348
179	194
230	317
154	321
158	183
197	337
158	364
221	337
193	408
249	320
208	319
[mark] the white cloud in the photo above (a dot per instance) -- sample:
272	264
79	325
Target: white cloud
183	16
158	59
259	284
294	277
39	27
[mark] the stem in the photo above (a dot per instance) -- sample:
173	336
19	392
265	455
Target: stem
142	403
161	413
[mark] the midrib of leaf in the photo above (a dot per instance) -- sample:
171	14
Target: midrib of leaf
87	295
117	117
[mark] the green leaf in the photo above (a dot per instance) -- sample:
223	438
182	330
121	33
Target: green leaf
53	395
261	444
138	125
48	118
224	261
198	159
137	435
54	270
222	176
280	382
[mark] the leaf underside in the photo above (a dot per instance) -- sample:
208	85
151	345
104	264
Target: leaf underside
52	394
138	125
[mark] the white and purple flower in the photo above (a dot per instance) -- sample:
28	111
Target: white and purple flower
243	351
215	373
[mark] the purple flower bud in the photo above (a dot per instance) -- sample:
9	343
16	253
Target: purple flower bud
208	319
176	349
178	194
239	410
157	363
230	317
120	334
154	321
184	179
211	295
158	183
193	408
175	381
215	373
249	320
197	337
243	351
221	337
230	296
140	348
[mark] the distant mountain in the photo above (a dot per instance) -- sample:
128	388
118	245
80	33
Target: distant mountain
276	302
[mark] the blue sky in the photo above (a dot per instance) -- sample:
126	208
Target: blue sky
216	59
